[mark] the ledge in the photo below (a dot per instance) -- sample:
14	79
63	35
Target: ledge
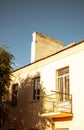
58	115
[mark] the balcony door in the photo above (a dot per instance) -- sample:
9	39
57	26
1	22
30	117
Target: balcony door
63	83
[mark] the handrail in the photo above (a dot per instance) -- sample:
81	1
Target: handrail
58	102
61	92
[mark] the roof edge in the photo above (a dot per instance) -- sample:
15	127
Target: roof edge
65	48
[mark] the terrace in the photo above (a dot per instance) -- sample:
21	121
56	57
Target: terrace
58	106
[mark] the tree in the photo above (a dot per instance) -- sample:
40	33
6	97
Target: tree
5	77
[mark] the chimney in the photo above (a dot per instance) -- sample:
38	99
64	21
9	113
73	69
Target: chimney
43	46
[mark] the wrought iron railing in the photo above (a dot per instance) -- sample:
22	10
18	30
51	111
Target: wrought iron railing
57	102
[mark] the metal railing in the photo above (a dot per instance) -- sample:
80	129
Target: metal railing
57	102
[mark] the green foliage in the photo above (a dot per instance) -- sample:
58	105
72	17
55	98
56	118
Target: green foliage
5	77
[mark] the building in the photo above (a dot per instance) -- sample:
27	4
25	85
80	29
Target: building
48	93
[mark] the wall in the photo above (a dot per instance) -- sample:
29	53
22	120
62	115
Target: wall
28	113
43	46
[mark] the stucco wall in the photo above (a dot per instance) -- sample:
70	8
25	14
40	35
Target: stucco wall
43	46
28	112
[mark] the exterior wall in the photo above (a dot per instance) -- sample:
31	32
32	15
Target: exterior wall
76	63
27	114
43	46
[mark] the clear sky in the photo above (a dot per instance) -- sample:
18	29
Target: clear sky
60	19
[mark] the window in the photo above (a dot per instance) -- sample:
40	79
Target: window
36	88
63	83
14	94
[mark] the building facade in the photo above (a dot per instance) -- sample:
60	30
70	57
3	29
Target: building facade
47	94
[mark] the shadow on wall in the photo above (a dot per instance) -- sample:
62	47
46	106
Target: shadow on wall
27	114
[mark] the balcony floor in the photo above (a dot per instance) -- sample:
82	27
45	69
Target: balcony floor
58	115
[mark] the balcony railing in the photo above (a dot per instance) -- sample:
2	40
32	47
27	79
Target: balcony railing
57	102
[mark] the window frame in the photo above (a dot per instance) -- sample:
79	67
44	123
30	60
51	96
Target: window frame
36	88
64	79
14	94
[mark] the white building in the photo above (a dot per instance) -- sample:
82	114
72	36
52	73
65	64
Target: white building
48	93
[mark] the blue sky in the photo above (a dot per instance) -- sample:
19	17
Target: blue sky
60	19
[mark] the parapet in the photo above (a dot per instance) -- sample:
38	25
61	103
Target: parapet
43	46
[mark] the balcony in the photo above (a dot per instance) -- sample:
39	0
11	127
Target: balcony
58	106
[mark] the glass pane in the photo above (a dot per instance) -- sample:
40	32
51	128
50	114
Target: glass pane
36	88
37	83
38	94
67	87
60	86
34	94
63	71
63	83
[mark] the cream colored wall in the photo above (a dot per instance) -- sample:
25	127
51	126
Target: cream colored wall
76	64
77	89
66	124
30	111
43	46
